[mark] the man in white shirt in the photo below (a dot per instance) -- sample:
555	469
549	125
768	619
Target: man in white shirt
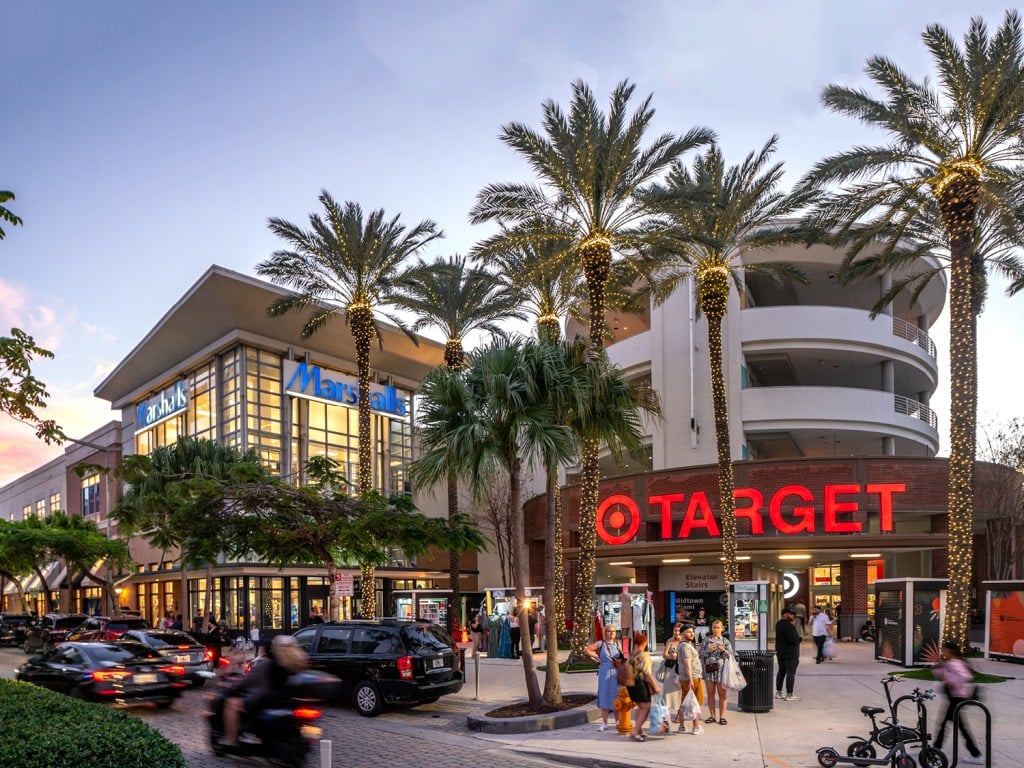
820	630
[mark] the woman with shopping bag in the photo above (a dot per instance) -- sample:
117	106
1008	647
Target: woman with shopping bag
670	690
644	685
715	653
691	672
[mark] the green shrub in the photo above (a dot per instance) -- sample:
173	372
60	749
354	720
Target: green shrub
39	727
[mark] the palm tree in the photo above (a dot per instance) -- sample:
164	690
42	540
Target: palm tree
591	168
448	295
956	142
5	213
550	288
347	265
721	216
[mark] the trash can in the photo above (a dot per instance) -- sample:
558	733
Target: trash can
758	667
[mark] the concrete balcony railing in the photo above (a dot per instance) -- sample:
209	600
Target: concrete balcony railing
771	409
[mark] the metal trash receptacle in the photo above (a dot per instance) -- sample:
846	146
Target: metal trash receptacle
758	667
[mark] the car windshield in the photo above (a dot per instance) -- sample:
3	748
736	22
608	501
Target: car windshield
160	639
427	638
17	620
68	622
119	653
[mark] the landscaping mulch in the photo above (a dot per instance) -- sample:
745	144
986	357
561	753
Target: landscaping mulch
524	708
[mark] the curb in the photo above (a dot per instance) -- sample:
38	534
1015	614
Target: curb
534	723
584	761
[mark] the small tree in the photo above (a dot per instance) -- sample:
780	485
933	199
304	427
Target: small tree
22	395
5	213
1000	497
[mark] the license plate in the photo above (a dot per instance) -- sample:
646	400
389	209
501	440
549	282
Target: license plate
183	659
436	663
144	677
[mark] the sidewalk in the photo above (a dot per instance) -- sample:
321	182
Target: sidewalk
831	695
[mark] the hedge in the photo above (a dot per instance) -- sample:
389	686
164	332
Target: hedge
42	728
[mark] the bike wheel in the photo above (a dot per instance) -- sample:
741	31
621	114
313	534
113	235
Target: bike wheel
903	761
861	749
931	757
827	757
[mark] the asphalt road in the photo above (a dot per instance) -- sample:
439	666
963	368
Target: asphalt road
432	736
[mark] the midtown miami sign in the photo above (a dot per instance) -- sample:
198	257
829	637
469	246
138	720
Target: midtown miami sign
317	383
790	510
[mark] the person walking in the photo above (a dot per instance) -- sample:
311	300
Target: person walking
691	672
958	685
515	634
821	628
787	651
800	611
608	654
644	685
670	689
715	653
476	632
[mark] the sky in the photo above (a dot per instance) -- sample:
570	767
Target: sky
146	141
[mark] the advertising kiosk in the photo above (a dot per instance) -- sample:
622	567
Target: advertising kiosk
908	615
752	604
1004	620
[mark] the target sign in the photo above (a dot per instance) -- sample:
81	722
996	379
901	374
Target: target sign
618	519
791	584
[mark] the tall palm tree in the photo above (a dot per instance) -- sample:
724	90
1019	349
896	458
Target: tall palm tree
448	295
955	141
5	213
591	167
550	288
347	265
721	215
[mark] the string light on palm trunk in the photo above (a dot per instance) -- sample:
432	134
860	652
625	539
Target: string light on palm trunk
596	252
360	319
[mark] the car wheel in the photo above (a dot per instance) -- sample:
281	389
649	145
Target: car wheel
164	704
366	697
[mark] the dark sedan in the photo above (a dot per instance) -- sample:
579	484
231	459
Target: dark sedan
122	673
186	656
104	628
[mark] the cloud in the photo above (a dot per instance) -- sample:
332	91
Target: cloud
44	322
98	331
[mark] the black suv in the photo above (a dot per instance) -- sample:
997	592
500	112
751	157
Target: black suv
385	661
13	628
50	629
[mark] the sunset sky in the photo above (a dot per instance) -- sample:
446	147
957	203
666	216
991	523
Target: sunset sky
146	141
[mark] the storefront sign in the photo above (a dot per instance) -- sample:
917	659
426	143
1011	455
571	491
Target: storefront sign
170	401
791	510
314	382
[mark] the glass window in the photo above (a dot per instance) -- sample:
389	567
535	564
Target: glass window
335	640
41	508
26	512
91	495
54	502
305	637
421	638
372	640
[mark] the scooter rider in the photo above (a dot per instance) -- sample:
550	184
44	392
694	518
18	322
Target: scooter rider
263	685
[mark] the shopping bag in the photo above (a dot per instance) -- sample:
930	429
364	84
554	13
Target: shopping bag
829	650
659	715
690	709
734	677
660	672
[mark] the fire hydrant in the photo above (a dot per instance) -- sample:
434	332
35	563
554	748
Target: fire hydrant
624	706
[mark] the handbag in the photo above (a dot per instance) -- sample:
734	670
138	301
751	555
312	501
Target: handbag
829	649
735	680
624	675
711	666
661	672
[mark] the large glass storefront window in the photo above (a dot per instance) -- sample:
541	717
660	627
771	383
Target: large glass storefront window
201	419
231	398
263	406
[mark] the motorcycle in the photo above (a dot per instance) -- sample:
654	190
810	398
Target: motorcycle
282	734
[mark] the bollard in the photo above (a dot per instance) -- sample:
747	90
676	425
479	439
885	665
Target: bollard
476	674
624	706
326	759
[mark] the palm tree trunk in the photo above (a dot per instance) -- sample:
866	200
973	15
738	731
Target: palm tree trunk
454	564
963	434
720	402
558	598
208	599
519	582
552	678
360	319
44	588
597	260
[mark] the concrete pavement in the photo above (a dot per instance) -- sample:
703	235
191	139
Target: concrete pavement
831	695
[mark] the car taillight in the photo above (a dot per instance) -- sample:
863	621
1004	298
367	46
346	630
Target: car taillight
405	667
458	659
173	669
306	713
208	656
184	647
222	661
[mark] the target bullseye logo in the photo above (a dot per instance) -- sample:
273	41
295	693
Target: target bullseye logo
618	513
